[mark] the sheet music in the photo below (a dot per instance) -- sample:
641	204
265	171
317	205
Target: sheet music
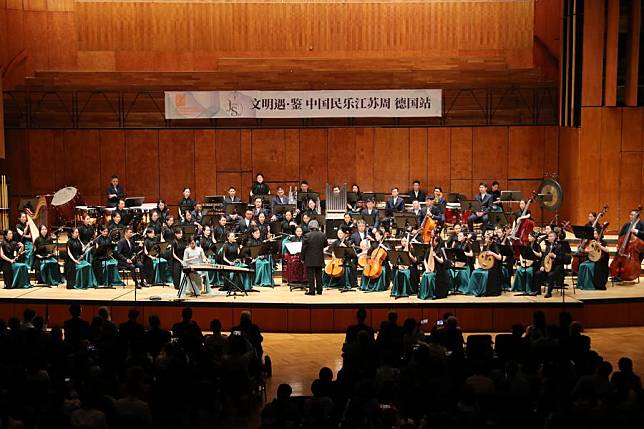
294	247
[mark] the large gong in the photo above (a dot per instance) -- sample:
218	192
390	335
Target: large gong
550	194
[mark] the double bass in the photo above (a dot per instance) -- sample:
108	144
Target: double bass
580	256
626	264
522	229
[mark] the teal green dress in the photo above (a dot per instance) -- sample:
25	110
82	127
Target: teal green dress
246	280
341	282
523	280
29	254
50	272
427	288
376	285
477	285
110	272
585	275
84	276
264	271
214	277
401	283
162	273
20	276
460	278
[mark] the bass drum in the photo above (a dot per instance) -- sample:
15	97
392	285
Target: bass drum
65	202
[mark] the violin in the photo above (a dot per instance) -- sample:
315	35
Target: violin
626	264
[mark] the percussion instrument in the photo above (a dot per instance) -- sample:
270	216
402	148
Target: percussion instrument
452	216
64	202
486	260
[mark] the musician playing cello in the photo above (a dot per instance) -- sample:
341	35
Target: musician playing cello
638	229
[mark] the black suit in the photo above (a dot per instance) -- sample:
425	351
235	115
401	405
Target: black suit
313	246
375	214
125	251
118	191
228	200
391	206
486	202
420	196
556	274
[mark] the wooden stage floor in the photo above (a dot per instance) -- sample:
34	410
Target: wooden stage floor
280	310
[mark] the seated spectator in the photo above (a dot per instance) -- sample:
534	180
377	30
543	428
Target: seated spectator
76	329
251	332
187	332
281	412
155	336
352	331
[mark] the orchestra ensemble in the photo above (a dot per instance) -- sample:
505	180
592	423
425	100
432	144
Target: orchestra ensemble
413	244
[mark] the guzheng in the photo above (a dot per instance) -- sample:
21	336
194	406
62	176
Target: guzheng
218	267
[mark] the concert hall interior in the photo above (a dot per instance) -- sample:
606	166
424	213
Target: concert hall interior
463	179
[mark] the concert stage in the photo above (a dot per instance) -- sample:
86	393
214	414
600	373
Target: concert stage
281	310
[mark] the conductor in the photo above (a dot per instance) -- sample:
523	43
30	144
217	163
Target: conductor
313	256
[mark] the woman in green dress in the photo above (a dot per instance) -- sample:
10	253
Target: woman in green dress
105	266
78	272
263	264
404	277
155	266
524	275
15	273
48	270
487	282
207	243
594	275
435	281
380	283
24	236
460	272
230	256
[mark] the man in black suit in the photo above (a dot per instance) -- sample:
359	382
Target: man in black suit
259	208
313	255
415	194
231	197
114	192
361	233
245	223
371	210
394	203
126	258
486	202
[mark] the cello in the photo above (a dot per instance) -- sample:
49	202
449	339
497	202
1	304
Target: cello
626	264
373	268
580	256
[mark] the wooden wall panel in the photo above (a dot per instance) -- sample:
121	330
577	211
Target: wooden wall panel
228	150
609	150
631	182
365	159
593	53
42	169
418	156
438	157
461	153
112	150
589	158
18	162
82	162
341	157
526	152
391	147
2	148
227	179
270	155
490	152
632	129
612	33
205	164
313	158
142	164
176	163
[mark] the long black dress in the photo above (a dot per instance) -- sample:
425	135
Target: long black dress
75	247
601	270
9	248
495	276
178	248
442	273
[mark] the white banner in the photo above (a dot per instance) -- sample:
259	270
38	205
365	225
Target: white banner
302	104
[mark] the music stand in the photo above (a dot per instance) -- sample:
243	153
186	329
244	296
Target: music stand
283	208
403	220
370	220
213	199
275	227
208	220
511	196
254	252
235	208
134	202
472	205
456	256
420	250
454	197
305	196
476	247
320	218
497	218
345	253
104	253
188	230
583	232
